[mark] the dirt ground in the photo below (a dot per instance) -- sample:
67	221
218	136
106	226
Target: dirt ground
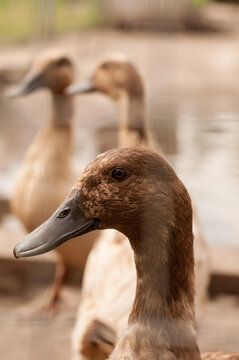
181	71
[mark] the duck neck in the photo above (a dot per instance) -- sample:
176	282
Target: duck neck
62	110
165	272
164	300
132	120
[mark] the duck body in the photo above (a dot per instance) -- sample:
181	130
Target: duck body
119	79
136	344
44	177
44	181
92	316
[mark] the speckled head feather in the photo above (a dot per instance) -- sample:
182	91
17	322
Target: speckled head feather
150	187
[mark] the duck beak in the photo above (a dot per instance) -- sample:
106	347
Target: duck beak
31	82
67	222
86	86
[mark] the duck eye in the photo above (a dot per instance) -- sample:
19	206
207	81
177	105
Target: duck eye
119	173
63	61
105	66
64	213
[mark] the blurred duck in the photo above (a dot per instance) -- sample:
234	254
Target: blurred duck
118	78
136	192
46	174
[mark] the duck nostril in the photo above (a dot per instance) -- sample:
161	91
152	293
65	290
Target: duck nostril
64	213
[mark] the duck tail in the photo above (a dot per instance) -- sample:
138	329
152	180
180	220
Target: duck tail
98	341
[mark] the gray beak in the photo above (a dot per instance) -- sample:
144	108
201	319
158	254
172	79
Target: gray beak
30	83
67	222
81	88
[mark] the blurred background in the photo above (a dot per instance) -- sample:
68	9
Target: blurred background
188	54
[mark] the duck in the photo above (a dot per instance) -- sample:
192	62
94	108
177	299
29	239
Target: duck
117	77
136	192
46	174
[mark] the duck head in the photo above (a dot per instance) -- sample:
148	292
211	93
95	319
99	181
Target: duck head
132	190
113	76
51	69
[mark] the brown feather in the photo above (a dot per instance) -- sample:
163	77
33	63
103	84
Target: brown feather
98	340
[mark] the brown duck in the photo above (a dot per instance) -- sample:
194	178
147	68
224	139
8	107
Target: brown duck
136	192
46	173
